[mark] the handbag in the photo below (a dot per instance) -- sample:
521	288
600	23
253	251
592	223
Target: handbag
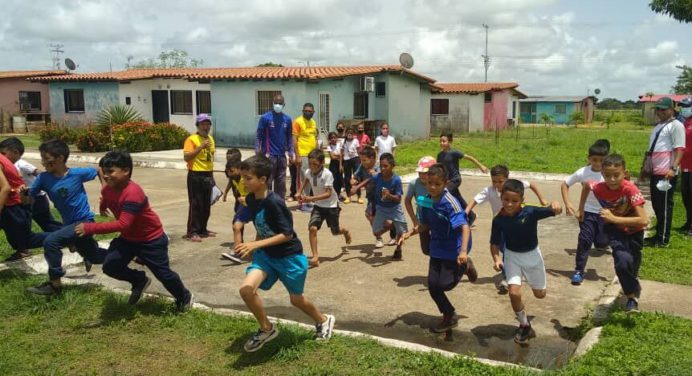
647	164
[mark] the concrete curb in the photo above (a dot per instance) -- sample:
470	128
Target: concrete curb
384	341
606	302
37	264
589	341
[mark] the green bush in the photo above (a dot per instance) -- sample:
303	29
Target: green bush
118	114
93	139
145	136
54	131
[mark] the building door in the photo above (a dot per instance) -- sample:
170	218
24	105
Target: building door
323	120
159	103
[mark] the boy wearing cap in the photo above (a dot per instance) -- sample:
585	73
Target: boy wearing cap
417	188
198	152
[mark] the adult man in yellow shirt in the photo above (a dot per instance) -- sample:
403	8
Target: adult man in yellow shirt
305	138
198	152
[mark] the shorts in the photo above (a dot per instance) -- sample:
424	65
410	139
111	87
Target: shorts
291	270
528	264
319	215
240	213
394	214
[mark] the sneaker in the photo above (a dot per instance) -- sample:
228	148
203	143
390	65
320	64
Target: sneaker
379	243
138	290
447	323
323	331
347	200
502	287
360	200
521	336
72	248
46	288
232	256
397	255
185	305
632	305
88	265
289	199
18	256
660	244
260	338
651	240
471	271
391	242
306	208
577	278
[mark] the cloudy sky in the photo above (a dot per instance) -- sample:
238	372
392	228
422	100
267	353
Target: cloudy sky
548	46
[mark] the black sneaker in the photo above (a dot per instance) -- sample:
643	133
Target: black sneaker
87	265
46	288
521	336
323	331
471	271
260	338
138	290
447	323
397	254
651	240
18	256
185	305
632	305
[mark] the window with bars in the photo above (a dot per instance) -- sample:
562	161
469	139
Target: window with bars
203	102
561	108
74	100
360	105
439	106
380	90
181	102
30	101
488	97
265	100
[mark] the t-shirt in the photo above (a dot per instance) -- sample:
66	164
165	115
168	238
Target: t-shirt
67	193
444	220
336	148
350	149
519	231
204	160
363	174
450	159
385	144
238	186
13	178
416	188
274	135
306	133
492	195
672	137
320	183
363	141
686	162
393	185
271	216
136	221
584	175
26	170
621	202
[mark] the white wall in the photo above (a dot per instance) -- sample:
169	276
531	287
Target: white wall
513	100
139	92
465	112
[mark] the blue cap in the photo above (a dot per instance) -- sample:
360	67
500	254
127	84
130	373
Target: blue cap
202	117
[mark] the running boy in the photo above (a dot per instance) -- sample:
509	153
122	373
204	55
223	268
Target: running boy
65	187
450	244
417	189
277	254
239	192
590	222
326	203
517	227
388	211
141	233
363	179
624	220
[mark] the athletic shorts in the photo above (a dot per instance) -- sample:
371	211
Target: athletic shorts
319	215
528	264
394	214
290	270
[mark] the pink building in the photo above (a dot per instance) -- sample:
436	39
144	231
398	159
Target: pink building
23	100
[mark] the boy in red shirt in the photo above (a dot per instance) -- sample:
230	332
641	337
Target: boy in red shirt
624	223
141	233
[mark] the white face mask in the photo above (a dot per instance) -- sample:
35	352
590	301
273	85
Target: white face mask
686	112
278	108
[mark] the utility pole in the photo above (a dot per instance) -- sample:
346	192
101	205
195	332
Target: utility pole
486	58
57	51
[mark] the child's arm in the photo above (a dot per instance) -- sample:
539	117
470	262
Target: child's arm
411	213
301	187
355	186
387	195
5	189
478	164
470	207
586	188
497	259
245	249
536	191
327	193
638	220
228	188
564	190
463	251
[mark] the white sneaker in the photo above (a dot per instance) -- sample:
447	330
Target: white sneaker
323	331
232	256
260	338
379	243
391	242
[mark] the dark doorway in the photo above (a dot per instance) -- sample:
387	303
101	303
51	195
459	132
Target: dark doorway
159	103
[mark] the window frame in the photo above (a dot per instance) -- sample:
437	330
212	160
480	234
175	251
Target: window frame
264	100
380	89
198	101
187	104
560	108
362	111
69	105
439	100
27	99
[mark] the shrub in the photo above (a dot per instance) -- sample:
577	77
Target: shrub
577	117
55	131
144	136
93	139
118	114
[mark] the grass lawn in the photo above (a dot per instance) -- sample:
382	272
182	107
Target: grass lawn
556	149
90	331
30	140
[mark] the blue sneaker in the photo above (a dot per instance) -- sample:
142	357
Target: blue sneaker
632	305
577	278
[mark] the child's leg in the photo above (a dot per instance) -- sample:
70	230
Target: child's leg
333	224
624	260
248	291
52	251
588	228
317	216
348	172
443	276
155	256
513	265
40	212
305	305
115	265
89	248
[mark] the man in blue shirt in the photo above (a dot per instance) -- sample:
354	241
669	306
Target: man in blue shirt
274	140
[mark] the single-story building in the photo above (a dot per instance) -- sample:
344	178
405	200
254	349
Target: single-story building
649	102
22	100
470	107
559	108
237	97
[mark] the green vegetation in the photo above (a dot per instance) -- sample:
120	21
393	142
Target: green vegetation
31	141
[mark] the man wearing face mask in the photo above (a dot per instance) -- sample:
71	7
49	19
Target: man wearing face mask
305	139
274	140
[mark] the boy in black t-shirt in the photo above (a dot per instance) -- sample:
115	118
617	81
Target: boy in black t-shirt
277	254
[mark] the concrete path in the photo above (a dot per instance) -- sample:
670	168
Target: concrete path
666	297
369	293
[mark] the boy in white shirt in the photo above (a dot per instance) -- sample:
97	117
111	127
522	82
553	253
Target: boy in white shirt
326	203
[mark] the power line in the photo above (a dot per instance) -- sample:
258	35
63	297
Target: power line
486	58
57	51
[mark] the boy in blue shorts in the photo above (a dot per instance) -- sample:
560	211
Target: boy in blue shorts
277	254
65	187
388	211
517	226
362	178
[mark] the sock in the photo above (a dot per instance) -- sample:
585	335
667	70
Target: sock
521	316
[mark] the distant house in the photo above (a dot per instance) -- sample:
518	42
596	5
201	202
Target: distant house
23	100
470	107
649	102
237	97
559	108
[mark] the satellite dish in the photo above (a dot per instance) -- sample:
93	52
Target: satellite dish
70	64
406	60
597	91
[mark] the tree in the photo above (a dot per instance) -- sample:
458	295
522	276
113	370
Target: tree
270	64
169	59
680	10
684	82
577	117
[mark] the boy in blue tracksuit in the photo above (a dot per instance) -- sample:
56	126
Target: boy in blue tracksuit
274	140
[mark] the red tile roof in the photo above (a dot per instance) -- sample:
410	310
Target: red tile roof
30	73
245	73
654	98
472	88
